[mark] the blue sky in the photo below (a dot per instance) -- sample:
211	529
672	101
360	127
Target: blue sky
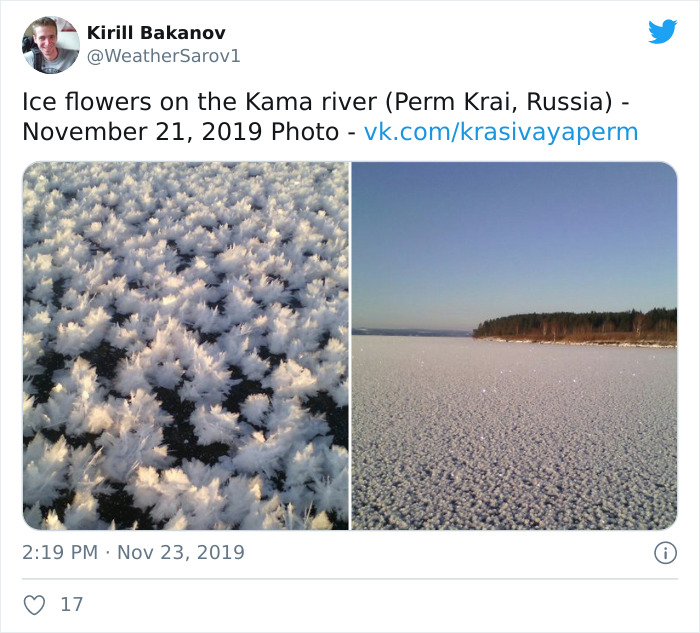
448	245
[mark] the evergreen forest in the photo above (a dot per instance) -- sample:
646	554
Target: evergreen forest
655	326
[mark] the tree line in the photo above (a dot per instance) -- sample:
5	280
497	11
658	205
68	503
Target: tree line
659	323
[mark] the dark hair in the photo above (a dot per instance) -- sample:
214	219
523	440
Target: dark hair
46	21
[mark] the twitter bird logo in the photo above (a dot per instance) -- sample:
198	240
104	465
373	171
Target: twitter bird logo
662	33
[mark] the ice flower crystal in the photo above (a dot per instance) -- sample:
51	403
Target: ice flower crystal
183	324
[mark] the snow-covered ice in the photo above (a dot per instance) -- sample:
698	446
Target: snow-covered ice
185	345
469	434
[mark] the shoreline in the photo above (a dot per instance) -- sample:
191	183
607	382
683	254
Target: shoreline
595	343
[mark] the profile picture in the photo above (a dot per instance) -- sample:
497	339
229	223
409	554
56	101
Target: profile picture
50	45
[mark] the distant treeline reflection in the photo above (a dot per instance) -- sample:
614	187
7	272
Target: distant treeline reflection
657	325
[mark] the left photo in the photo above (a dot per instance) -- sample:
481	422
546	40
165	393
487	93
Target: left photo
185	346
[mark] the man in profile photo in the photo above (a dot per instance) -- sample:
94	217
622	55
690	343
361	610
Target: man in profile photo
49	59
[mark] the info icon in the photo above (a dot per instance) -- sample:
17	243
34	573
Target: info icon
665	552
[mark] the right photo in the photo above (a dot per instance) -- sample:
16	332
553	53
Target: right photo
514	350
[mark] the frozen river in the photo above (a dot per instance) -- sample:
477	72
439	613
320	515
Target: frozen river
455	433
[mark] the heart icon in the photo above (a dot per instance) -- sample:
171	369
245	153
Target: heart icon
34	604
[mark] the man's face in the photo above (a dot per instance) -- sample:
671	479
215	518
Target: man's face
45	38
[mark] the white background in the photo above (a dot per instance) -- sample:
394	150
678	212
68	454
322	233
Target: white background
378	581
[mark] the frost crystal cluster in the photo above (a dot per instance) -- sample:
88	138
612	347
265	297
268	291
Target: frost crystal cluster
185	345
